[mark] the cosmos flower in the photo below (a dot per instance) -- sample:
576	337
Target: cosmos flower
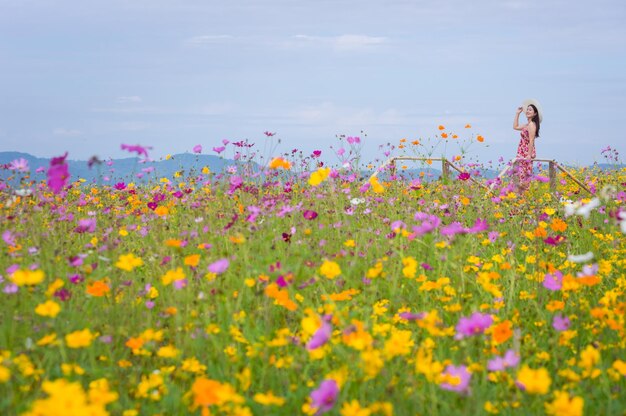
456	378
510	359
58	173
321	336
324	397
140	150
553	281
219	266
475	324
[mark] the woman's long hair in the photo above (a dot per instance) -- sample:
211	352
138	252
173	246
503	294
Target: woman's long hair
535	119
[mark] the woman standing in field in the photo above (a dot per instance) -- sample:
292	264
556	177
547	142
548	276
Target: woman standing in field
526	148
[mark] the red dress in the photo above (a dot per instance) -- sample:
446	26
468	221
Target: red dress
525	167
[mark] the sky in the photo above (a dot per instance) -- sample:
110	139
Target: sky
87	76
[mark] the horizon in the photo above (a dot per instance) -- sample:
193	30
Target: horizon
85	78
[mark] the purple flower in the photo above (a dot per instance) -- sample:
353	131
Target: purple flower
58	173
458	378
493	236
410	316
87	225
309	214
219	266
588	270
553	281
560	322
179	284
510	359
323	399
473	325
197	148
321	336
10	288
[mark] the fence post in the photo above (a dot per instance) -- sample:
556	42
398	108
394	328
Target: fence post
552	171
393	167
445	169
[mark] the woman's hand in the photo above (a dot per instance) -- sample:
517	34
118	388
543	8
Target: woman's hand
519	110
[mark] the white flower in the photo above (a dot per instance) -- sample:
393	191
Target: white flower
580	258
357	201
581	209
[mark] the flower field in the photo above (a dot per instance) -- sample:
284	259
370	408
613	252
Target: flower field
307	289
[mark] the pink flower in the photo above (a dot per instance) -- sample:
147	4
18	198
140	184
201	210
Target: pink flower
269	134
560	322
87	225
353	140
320	337
140	150
219	150
19	165
58	173
410	316
464	176
197	148
219	266
473	325
324	397
309	214
510	359
462	376
553	281
8	238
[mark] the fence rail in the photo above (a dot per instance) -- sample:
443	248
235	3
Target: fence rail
446	165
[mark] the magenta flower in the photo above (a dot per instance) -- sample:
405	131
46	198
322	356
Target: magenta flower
560	322
510	359
219	266
459	378
353	140
323	399
463	176
320	337
473	325
269	134
453	229
87	225
197	148
553	281
219	150
554	241
58	173
309	214
140	150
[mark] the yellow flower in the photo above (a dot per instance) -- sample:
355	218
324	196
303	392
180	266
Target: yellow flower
589	357
564	405
47	339
5	374
400	343
169	351
192	365
66	399
620	367
27	277
319	176
268	399
534	381
354	409
128	262
410	267
207	392
330	269
79	339
48	308
172	276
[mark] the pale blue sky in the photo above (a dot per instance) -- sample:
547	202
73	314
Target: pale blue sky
87	76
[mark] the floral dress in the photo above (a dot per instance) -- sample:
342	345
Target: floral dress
525	167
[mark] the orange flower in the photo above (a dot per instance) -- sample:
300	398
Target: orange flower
444	135
98	288
502	332
135	343
480	138
173	243
192	260
468	126
441	128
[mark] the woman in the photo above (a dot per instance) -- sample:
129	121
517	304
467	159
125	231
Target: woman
526	148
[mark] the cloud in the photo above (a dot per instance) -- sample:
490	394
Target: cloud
340	43
66	132
128	99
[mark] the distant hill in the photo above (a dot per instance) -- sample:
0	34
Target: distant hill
127	169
